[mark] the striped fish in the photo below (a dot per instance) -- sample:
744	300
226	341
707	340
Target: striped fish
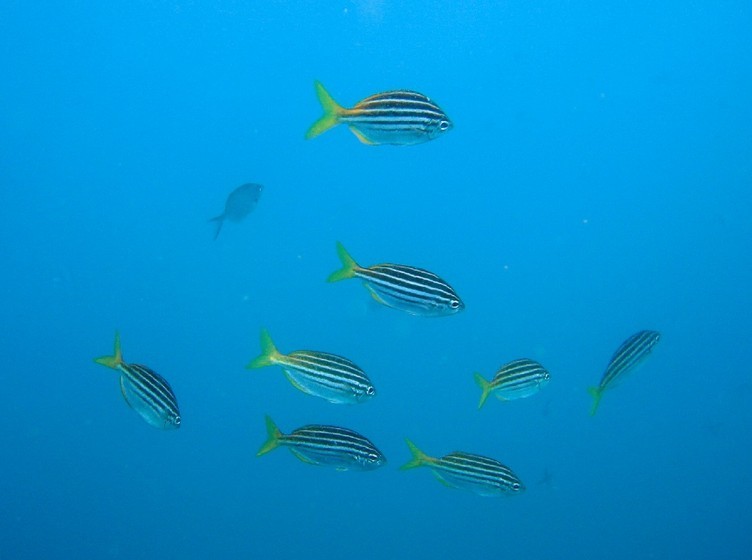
481	475
410	289
516	380
335	447
627	357
145	391
394	117
330	377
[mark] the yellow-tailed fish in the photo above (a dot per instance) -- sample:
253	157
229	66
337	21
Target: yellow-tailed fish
145	391
395	117
331	446
627	357
410	289
478	474
324	375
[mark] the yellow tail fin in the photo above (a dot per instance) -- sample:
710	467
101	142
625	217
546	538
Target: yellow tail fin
269	353
332	112
274	436
485	387
419	458
596	393
349	266
115	360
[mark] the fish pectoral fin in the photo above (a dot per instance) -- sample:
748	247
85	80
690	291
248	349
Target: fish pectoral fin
359	135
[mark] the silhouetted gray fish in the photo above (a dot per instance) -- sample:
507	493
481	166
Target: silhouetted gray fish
240	203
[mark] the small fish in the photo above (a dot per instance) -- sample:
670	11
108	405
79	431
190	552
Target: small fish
395	117
335	447
627	357
145	391
481	475
239	204
516	380
407	288
330	377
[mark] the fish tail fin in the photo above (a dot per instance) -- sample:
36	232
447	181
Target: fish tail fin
419	458
332	111
116	359
219	220
269	352
349	266
596	393
273	437
485	387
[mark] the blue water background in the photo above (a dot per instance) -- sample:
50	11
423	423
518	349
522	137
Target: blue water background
597	182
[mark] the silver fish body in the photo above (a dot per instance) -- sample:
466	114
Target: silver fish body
332	446
150	395
407	288
478	474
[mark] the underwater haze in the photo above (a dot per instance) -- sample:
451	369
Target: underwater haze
596	182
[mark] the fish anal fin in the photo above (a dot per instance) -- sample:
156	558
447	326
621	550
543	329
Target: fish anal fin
123	392
441	479
375	296
295	383
359	135
302	457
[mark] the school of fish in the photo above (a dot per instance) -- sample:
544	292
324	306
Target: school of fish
402	118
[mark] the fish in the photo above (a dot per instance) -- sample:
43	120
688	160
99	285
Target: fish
627	357
406	288
331	446
516	380
239	204
400	117
144	390
331	377
478	474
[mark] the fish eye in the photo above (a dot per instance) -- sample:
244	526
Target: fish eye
370	390
443	125
177	421
372	457
454	304
516	486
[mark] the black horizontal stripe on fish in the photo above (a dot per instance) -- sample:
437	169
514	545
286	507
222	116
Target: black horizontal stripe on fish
333	439
328	368
391	114
475	468
520	372
408	281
